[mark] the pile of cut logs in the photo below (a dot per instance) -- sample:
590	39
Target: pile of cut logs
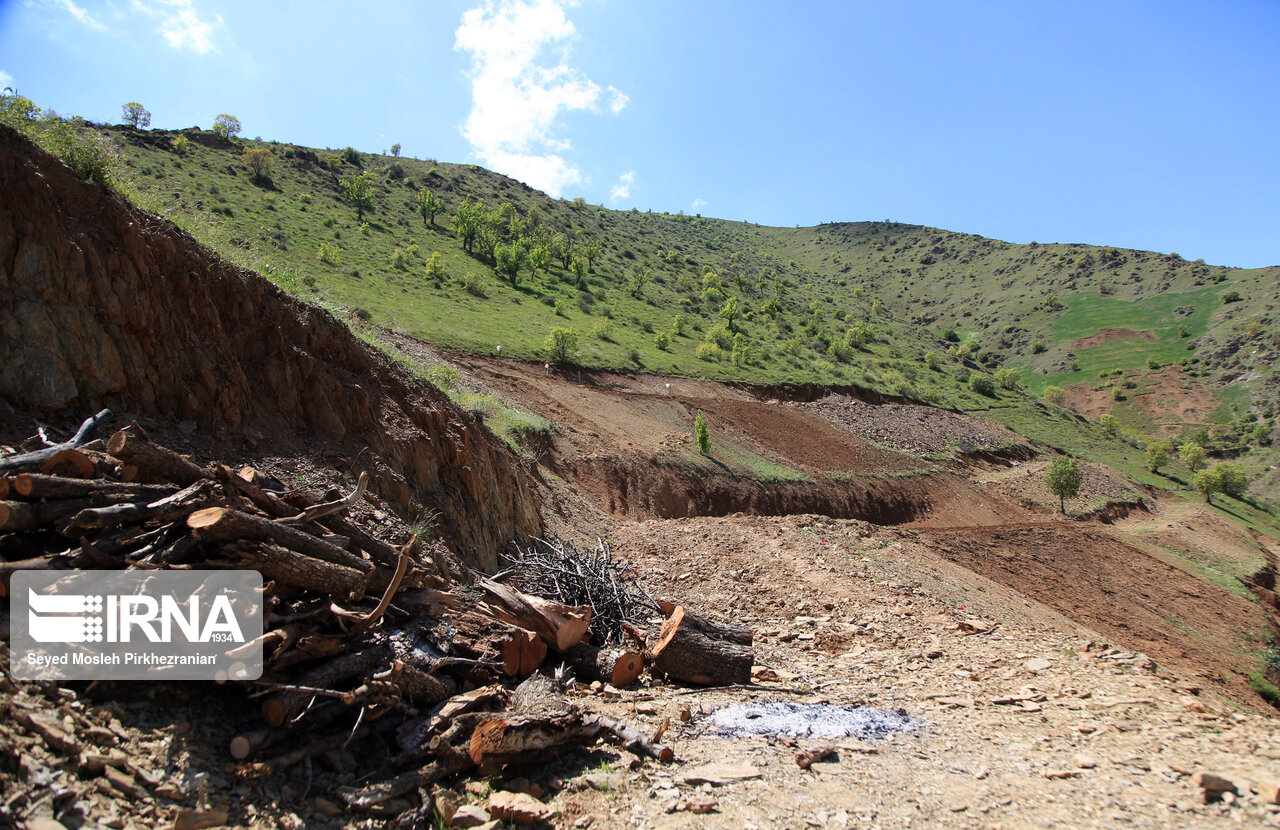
363	639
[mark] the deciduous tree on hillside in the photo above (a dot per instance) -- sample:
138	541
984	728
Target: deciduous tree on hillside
226	125
358	190
136	115
428	204
1063	479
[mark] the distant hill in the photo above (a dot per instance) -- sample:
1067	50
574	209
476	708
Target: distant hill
1171	349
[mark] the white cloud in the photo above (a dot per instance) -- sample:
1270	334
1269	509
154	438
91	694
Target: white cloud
78	13
181	24
6	80
516	98
618	100
699	204
622	189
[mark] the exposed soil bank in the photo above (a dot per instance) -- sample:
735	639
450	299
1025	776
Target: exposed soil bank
103	305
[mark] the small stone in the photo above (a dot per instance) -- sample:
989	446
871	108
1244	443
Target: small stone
701	805
469	815
1037	664
1269	792
1212	785
1085	761
718	774
199	819
520	808
1192	705
583	822
45	823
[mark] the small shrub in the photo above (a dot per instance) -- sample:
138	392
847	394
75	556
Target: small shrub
1037	346
561	344
663	341
473	285
435	267
1231	297
708	351
181	145
983	385
1055	395
328	254
444	376
603	329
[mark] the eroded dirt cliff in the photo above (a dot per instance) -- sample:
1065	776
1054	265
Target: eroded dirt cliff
104	305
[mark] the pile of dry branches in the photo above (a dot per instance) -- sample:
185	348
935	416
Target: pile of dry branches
355	630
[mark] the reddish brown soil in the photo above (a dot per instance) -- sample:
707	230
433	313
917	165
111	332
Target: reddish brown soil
1171	399
1117	590
1112	334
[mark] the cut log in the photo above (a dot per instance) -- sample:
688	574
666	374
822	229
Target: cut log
420	687
481	637
25	515
36	458
153	463
167	509
246	743
229	525
561	626
4	487
292	568
37	486
608	664
523	653
69	462
527	738
683	650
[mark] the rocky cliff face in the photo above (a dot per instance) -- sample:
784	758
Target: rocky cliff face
103	305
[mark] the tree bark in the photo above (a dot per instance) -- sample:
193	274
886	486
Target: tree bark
152	462
685	650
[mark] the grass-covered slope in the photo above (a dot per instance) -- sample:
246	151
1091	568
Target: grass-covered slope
951	319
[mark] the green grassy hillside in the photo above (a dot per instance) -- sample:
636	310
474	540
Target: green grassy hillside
946	318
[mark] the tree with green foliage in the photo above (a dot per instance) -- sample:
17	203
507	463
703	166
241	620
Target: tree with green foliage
1109	423
639	278
703	434
259	161
358	190
1231	480
428	204
561	344
562	248
226	125
1007	378
591	250
135	115
983	385
1063	479
16	110
395	149
540	257
1193	456
467	222
1055	395
1157	455
1207	482
663	341
181	144
509	259
729	312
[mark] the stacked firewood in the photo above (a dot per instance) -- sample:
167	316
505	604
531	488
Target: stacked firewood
357	629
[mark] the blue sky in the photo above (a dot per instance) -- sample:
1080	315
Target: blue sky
1137	124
